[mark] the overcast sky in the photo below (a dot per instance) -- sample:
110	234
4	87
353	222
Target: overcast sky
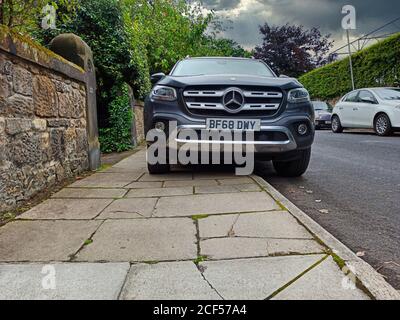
247	15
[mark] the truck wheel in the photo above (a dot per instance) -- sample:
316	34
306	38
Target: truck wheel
294	168
158	168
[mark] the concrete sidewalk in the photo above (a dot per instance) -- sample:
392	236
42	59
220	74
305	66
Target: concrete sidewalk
124	234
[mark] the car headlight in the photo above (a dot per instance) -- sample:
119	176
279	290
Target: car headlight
163	93
298	95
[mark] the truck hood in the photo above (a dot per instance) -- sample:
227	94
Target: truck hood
230	80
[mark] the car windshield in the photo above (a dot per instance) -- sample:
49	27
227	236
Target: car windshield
195	67
388	93
319	105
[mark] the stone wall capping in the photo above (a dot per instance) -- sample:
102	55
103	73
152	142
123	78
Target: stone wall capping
22	46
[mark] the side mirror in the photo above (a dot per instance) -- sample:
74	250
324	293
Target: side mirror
157	77
283	76
368	100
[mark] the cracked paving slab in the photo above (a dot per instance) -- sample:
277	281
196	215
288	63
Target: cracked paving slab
174	176
43	240
227	189
247	279
231	248
190	183
325	282
68	209
134	208
89	193
144	185
159	192
167	281
272	224
214	204
74	281
142	240
107	180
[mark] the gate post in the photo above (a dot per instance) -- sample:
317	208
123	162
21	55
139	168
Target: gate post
74	49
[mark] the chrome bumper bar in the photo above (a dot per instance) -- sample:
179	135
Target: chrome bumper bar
255	146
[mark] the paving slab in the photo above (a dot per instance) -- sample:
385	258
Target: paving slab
236	180
89	193
43	240
325	282
107	180
190	183
272	224
73	281
142	240
67	209
174	176
129	209
227	188
144	185
215	175
131	170
246	279
159	192
236	247
179	281
278	224
214	204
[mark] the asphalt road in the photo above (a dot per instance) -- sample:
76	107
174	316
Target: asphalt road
354	178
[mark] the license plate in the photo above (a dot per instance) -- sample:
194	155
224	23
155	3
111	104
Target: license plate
328	122
234	124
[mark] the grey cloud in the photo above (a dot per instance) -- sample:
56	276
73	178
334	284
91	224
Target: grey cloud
221	4
324	14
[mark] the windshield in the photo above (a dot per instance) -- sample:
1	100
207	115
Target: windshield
319	105
388	94
195	67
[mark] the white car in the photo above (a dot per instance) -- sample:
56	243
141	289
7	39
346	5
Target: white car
372	108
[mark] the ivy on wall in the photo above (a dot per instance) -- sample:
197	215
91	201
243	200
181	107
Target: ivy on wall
376	66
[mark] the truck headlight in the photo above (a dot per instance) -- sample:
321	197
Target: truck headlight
163	93
298	95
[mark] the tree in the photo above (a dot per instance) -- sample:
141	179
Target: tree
293	50
24	15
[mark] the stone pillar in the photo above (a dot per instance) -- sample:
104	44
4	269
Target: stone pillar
74	49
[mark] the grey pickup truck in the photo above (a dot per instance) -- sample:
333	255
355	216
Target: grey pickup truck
235	94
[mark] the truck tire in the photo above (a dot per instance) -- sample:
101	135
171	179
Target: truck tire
294	168
158	168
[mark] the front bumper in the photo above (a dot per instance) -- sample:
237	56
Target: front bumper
283	130
253	145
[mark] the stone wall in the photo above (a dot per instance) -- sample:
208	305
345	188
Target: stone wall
43	126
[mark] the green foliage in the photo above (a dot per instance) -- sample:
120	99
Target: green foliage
165	31
131	39
378	65
25	16
117	136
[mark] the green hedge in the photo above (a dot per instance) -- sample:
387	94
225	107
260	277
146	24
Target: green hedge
117	136
378	65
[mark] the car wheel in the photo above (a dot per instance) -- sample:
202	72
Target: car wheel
382	125
336	125
294	168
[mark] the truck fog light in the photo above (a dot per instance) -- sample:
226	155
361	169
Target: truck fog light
160	126
302	129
